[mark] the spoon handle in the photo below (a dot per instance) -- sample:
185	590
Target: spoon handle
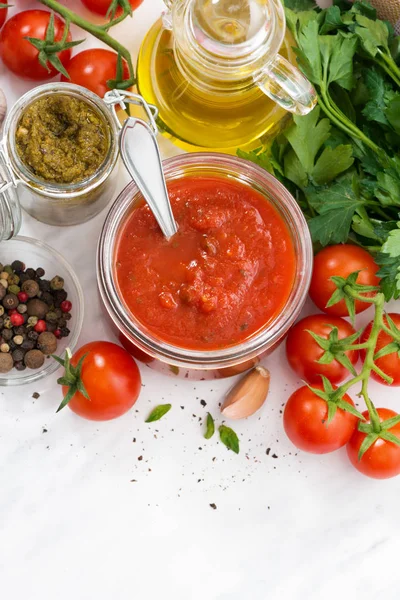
141	156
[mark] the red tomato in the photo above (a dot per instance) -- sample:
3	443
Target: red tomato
390	364
93	68
382	459
304	420
303	352
3	15
111	378
340	261
19	55
100	7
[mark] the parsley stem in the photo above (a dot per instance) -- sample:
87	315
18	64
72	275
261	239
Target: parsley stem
96	30
389	66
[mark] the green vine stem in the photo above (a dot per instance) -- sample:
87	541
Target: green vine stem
98	31
351	291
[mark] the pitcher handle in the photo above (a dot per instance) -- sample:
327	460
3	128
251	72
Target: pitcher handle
286	86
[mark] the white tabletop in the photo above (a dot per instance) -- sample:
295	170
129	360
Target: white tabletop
82	517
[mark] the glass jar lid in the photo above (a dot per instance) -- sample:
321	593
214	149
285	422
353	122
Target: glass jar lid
10	209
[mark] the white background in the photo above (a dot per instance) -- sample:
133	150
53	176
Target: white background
73	524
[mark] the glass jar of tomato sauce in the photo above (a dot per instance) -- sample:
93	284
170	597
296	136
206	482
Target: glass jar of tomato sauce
213	177
51	202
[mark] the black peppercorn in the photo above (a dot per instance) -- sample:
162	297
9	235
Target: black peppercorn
21	330
17	265
51	326
31	273
3	291
23	277
1	322
65	332
67	316
40	272
61	323
10	301
48	298
18	355
44	285
28	344
12	345
20	366
59	297
33	335
7	334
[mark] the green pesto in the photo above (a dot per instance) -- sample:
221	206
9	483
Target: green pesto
62	139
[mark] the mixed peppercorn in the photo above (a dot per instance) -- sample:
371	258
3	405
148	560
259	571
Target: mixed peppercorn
34	314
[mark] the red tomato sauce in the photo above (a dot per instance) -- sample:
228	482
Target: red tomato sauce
226	274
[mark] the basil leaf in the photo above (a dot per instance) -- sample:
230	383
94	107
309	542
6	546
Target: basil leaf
229	438
158	412
210	427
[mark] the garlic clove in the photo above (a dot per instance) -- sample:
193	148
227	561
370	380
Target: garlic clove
3	106
247	395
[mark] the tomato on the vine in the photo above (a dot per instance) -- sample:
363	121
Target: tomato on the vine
93	68
110	377
20	55
3	13
382	459
305	420
303	351
340	261
101	7
389	363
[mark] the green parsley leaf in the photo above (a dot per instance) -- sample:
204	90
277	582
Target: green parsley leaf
336	205
306	136
158	412
332	163
210	427
373	35
229	438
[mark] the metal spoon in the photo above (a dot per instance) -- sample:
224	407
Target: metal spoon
141	156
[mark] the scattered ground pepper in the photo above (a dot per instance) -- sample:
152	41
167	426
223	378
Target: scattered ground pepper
62	139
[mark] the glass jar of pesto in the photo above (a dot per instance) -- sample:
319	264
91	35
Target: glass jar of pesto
59	153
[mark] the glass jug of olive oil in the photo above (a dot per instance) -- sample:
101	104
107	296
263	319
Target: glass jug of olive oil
213	69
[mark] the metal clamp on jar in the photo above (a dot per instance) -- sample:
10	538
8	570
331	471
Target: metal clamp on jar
49	201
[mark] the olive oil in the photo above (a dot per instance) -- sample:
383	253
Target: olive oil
204	118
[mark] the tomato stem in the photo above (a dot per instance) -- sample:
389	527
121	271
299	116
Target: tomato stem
369	346
98	31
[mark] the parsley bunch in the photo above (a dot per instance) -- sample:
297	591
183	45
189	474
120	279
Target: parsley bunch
342	161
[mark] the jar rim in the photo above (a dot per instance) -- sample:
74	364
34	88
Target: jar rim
25	175
248	174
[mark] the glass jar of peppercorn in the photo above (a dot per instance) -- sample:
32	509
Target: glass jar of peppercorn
41	310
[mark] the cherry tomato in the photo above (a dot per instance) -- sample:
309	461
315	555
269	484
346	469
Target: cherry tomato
340	261
390	364
303	352
304	420
111	378
3	15
93	68
100	7
19	55
382	459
